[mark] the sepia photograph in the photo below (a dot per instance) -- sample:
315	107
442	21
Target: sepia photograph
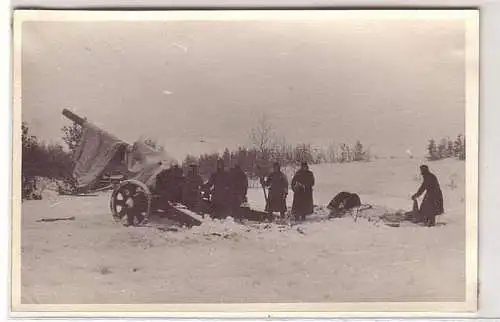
245	160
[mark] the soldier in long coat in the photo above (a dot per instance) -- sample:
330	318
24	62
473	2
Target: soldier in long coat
278	190
170	182
163	183
192	195
432	204
302	186
220	185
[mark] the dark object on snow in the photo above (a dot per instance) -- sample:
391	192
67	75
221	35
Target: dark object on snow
344	201
255	215
173	229
432	204
302	186
55	219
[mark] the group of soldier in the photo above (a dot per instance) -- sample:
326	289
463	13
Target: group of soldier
227	190
302	187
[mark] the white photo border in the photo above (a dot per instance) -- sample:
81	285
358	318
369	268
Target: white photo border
259	310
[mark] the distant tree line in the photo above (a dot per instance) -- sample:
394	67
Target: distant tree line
256	161
42	160
446	148
266	147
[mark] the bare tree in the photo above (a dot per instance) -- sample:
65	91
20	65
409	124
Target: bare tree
282	150
261	136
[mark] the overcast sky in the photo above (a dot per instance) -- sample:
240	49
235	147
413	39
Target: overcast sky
391	84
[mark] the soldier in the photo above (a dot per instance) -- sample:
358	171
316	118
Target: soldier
432	204
278	190
169	183
239	184
220	183
176	182
162	183
302	186
191	195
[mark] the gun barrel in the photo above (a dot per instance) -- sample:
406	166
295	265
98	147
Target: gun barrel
73	117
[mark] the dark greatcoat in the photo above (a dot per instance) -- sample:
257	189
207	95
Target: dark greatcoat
432	204
220	183
278	190
192	195
162	183
239	184
176	184
302	186
169	183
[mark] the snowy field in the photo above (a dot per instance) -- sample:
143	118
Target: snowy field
92	259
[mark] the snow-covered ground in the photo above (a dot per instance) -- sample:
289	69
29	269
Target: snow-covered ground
92	259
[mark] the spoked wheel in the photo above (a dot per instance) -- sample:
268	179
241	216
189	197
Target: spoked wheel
131	203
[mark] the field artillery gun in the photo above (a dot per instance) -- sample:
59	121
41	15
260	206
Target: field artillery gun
134	198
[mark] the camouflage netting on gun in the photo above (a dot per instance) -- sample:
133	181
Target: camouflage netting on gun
99	151
93	154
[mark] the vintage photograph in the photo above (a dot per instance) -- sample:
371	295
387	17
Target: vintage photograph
246	157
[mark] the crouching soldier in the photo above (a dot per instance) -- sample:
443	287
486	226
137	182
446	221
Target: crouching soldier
302	186
192	185
278	190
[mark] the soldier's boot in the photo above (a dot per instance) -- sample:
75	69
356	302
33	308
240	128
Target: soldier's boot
431	222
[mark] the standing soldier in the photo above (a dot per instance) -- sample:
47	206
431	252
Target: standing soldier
172	181
163	183
432	204
191	194
220	183
278	190
239	184
177	183
302	186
